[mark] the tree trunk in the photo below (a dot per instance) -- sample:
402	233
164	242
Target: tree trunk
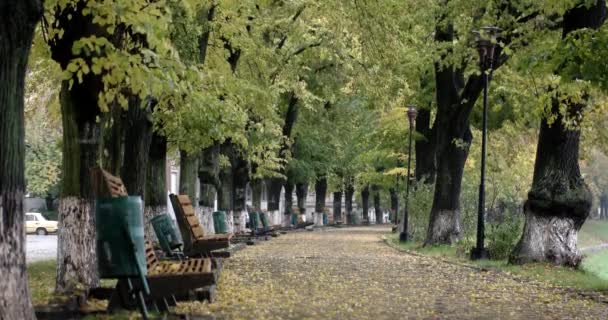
240	169
337	206
76	250
289	186
302	193
188	175
225	195
452	138
349	191
274	187
138	137
76	254
320	194
210	184
156	183
394	204
113	139
18	21
444	227
604	206
257	187
365	203
560	201
426	164
377	206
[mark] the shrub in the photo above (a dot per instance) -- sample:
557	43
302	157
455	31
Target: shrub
421	201
501	238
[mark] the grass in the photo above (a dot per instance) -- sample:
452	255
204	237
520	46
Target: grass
41	276
597	263
41	279
593	233
583	279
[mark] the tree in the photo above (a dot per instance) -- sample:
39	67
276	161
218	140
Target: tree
18	20
112	56
559	201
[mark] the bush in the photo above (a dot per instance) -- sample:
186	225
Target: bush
49	214
501	238
421	201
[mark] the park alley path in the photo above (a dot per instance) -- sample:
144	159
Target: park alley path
349	273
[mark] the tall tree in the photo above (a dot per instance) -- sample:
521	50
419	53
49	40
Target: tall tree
18	20
560	201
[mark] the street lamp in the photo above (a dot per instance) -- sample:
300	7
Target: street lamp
411	116
486	45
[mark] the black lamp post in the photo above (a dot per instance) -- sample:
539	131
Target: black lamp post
486	45
411	116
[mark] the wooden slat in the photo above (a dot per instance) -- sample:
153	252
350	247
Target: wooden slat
115	185
187	209
151	260
192	220
197	232
184	199
106	185
206	265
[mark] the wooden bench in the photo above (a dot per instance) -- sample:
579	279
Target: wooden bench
196	243
165	279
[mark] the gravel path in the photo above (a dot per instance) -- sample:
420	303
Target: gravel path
350	273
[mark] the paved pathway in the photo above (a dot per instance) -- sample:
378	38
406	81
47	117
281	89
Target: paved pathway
39	248
350	273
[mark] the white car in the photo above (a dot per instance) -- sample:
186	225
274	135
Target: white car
38	224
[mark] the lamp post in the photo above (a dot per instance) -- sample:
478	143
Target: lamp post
411	116
486	45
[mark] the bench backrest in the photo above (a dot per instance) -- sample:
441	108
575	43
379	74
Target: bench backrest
188	222
107	185
151	259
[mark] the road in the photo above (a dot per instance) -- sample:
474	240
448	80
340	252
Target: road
350	273
40	248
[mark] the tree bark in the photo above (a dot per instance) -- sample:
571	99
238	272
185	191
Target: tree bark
302	193
138	137
377	206
426	164
257	187
240	169
188	175
76	249
337	206
113	139
274	187
289	186
604	206
18	21
394	204
156	183
452	138
320	194
365	203
349	191
560	201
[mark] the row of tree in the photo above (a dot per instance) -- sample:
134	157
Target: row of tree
290	94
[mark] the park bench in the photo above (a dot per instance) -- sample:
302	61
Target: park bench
196	243
164	279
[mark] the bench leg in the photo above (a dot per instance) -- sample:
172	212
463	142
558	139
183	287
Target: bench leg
125	296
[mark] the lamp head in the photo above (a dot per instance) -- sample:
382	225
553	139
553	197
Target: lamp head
486	39
412	113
